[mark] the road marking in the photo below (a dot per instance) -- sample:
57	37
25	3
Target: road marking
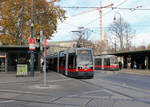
23	92
97	97
59	80
88	92
7	101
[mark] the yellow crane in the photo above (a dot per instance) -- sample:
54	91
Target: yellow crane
100	12
101	23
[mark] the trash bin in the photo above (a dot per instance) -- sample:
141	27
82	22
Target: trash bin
22	70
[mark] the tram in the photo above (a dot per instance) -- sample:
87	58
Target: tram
73	62
106	62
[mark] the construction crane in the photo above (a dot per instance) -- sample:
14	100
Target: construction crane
100	12
52	1
101	23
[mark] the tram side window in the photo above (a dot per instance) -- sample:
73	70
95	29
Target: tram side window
62	61
106	61
97	61
71	61
114	60
55	63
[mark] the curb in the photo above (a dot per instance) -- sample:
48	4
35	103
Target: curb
137	73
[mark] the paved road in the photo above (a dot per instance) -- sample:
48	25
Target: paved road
110	82
138	81
69	92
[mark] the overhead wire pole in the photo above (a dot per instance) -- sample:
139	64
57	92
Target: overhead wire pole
44	54
120	22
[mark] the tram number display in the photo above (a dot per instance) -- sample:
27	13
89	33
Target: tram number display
83	52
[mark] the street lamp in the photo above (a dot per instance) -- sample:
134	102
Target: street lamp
121	36
32	43
32	39
116	14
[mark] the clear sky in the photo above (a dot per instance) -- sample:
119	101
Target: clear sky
138	19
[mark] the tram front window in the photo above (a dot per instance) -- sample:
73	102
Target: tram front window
84	57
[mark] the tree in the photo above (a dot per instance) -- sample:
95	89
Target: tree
99	47
15	16
122	33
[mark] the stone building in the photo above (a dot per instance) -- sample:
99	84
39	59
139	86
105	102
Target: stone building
54	46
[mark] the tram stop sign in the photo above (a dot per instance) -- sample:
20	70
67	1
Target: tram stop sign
32	44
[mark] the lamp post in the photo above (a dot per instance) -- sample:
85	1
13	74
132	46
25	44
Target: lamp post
115	15
32	43
32	40
121	36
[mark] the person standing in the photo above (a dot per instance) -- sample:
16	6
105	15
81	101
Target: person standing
120	65
134	65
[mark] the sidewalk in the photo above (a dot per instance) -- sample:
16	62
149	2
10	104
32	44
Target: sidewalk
129	71
63	91
135	71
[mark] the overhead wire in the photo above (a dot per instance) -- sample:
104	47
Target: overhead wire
114	8
106	13
97	8
71	24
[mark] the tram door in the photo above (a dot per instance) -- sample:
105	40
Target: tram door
106	63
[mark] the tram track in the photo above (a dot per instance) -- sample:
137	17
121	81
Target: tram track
116	92
22	93
41	102
56	100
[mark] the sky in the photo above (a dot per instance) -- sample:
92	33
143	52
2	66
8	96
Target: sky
139	20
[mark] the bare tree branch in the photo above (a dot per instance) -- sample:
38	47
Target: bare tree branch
123	32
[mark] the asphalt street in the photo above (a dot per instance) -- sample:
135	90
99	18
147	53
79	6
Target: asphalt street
138	81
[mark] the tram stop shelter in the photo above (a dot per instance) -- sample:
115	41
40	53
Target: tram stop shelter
11	56
140	57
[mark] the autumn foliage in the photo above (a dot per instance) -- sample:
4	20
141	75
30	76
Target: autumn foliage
15	20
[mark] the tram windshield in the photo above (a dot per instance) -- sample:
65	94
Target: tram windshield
84	57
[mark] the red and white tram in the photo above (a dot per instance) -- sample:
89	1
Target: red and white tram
106	62
74	62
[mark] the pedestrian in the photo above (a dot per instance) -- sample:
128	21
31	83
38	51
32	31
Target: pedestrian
120	65
134	65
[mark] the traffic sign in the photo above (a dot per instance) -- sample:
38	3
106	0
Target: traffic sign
32	44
